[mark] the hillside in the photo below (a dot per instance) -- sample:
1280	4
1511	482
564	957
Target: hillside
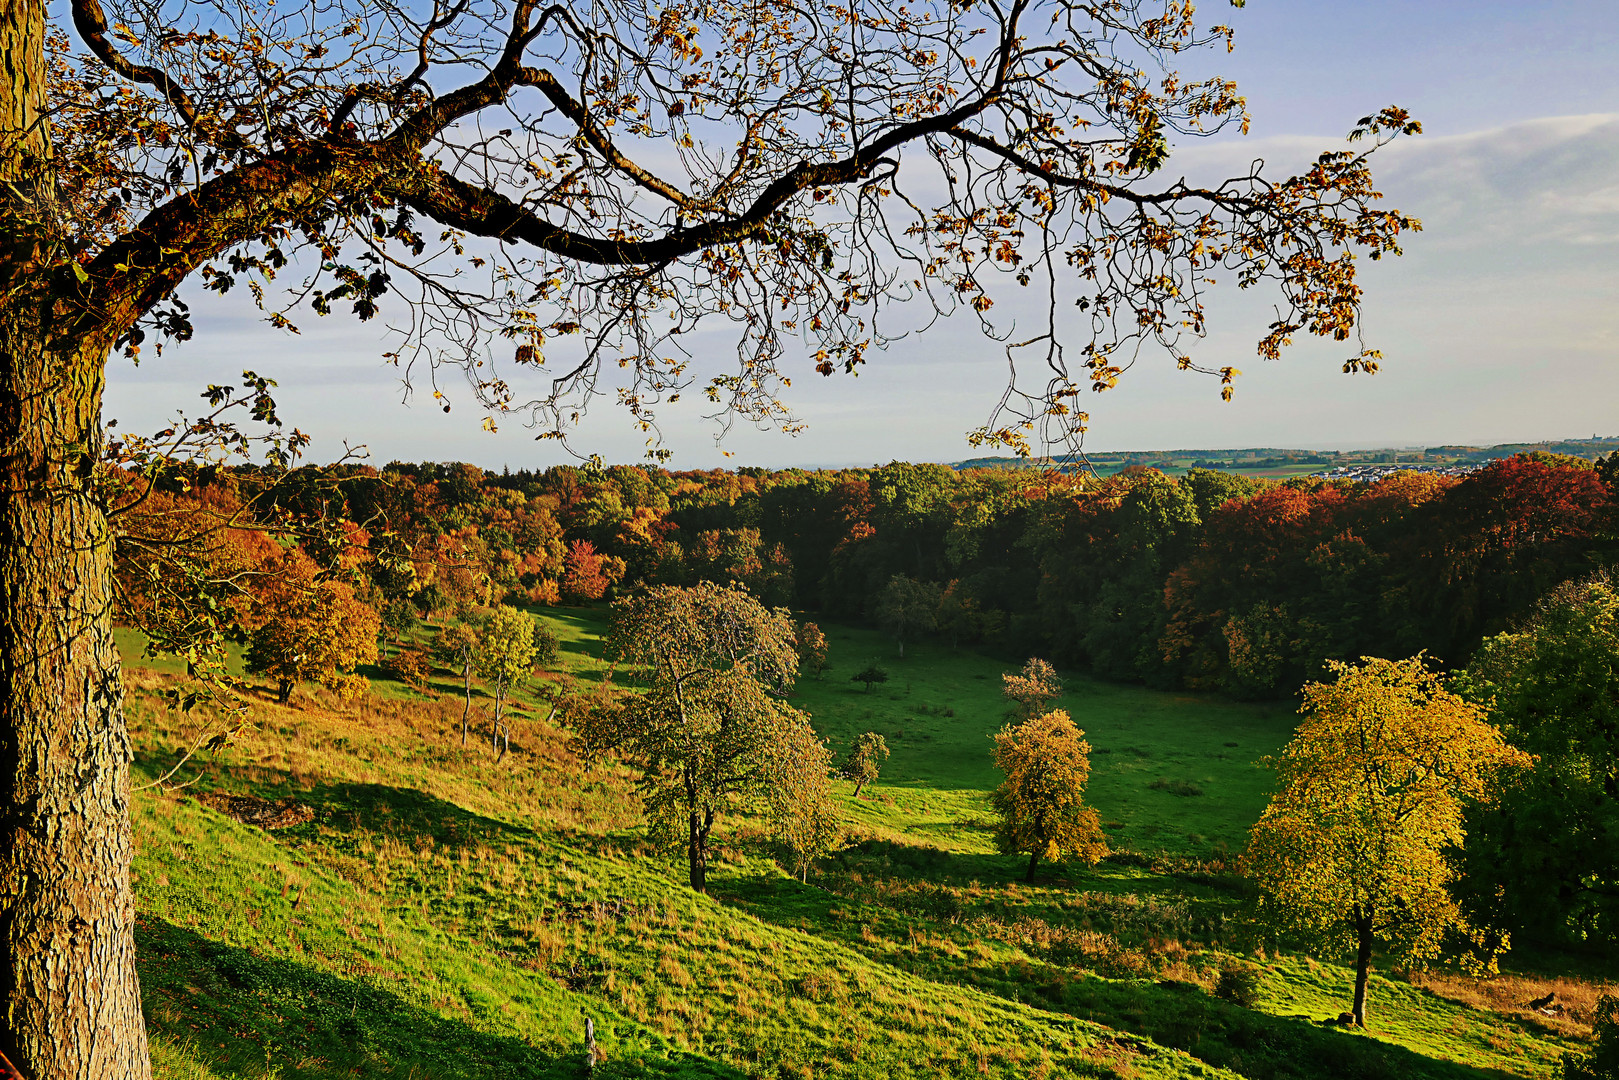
1280	462
442	916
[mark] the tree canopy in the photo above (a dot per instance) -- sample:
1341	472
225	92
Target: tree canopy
699	162
1544	860
1041	803
708	732
1032	689
1353	847
907	607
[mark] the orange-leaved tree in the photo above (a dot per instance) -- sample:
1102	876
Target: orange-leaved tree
1041	803
588	184
810	641
1033	689
1353	848
311	631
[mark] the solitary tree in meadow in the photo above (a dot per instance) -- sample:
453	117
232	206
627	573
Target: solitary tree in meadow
710	733
312	632
1353	848
866	759
504	657
871	674
1041	803
1033	689
802	813
812	649
585	184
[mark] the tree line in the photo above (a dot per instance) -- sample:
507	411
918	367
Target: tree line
1207	581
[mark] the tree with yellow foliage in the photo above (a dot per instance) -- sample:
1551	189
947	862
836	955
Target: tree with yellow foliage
1353	846
504	656
1041	804
711	734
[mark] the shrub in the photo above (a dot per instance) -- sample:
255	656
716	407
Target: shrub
546	645
872	674
1183	788
545	592
410	666
1238	984
1602	1062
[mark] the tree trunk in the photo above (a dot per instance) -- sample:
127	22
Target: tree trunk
502	735
1363	965
1034	860
494	723
67	915
466	710
72	1005
283	691
697	850
858	784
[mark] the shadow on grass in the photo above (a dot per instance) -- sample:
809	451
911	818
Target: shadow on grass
401	812
241	1014
1178	1015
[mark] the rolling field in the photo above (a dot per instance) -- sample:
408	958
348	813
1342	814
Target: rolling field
941	763
444	916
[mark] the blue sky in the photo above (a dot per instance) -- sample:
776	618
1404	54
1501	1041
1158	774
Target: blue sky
1500	324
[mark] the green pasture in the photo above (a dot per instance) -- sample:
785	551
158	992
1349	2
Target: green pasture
941	707
445	916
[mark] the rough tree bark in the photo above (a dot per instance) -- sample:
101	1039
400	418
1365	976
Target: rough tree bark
67	915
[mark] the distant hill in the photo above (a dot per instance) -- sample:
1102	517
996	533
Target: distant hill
1281	460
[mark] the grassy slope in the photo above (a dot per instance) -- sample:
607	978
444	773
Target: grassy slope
444	917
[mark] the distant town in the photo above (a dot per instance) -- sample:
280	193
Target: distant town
1363	465
1369	473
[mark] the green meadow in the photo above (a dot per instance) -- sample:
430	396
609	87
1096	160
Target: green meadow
440	915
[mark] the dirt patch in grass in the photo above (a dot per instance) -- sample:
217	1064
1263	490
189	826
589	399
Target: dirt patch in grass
282	814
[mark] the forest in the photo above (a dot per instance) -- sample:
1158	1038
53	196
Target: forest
1206	582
